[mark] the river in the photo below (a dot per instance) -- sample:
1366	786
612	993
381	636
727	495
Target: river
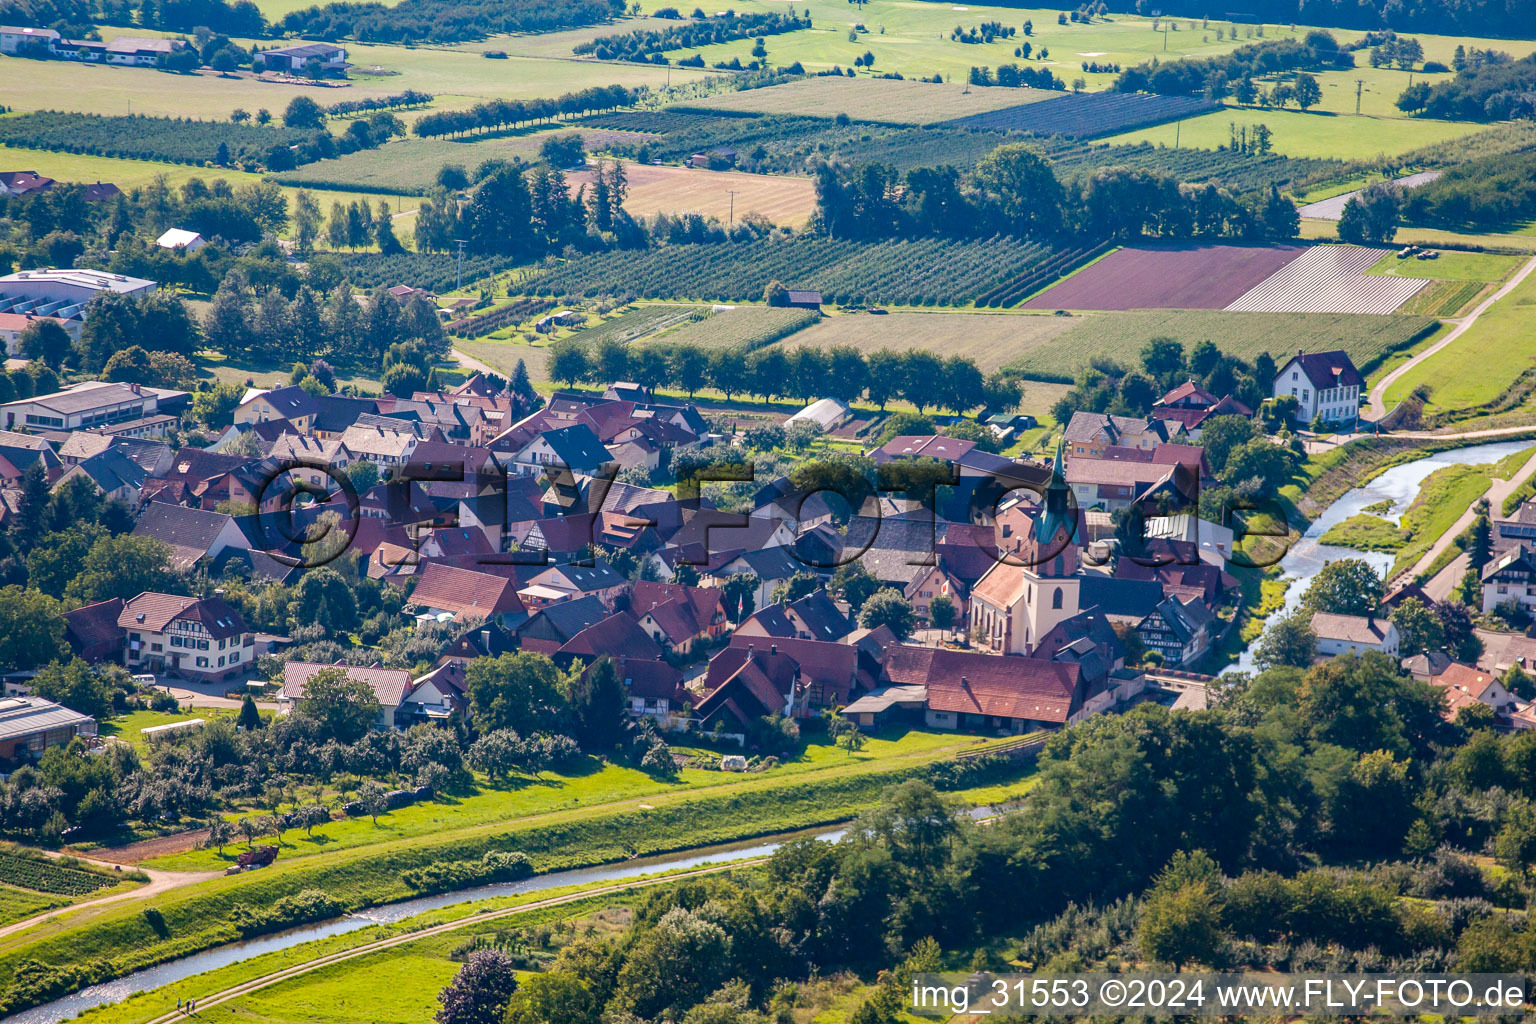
1399	485
118	989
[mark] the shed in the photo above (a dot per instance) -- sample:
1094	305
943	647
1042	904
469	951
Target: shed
826	413
181	238
804	298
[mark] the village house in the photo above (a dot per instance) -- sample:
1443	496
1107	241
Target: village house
1464	685
1190	405
978	692
676	616
1179	630
1354	634
1326	386
1510	579
1089	433
180	239
403	702
464	594
197	639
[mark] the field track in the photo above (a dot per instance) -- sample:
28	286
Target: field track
1167	277
1329	279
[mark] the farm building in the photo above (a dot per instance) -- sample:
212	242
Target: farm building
19	40
30	725
293	58
717	158
181	238
170	730
804	298
826	413
139	51
559	318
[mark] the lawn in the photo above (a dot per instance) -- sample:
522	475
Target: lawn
266	374
365	990
1433	237
991	339
1313	134
1450	266
129	728
1443	497
1481	364
1120	336
874	99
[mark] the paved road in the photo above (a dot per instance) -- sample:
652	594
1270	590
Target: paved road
1375	407
1497	491
1333	209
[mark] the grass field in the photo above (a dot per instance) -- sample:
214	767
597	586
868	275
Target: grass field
20	904
748	327
1120	336
782	199
874	99
1450	266
413	163
637	323
1434	237
1478	366
1322	135
991	339
524	799
456	77
1443	298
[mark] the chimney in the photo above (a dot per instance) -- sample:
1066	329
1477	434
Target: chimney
773	649
965	684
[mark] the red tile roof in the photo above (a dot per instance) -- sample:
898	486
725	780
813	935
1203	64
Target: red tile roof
464	591
989	684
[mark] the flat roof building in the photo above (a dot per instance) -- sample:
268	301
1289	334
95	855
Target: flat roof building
93	405
63	293
30	725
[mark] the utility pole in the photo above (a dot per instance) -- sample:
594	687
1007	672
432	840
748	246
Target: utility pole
458	279
1359	86
732	192
1178	127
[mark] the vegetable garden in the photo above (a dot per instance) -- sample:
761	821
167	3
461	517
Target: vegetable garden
928	272
42	875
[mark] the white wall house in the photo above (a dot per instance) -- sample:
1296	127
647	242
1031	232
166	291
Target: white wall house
1324	384
1354	634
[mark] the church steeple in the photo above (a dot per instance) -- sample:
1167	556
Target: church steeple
1056	516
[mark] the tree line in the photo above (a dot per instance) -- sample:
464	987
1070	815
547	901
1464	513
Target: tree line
1213	76
926	380
1015	190
647	46
499	115
442	21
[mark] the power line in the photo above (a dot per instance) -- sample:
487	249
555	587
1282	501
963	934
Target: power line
732	192
458	280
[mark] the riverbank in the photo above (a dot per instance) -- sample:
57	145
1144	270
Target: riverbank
1387	473
61	956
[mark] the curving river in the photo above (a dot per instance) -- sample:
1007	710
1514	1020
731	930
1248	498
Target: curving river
1399	485
172	971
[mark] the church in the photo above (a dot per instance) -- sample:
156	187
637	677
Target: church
1027	594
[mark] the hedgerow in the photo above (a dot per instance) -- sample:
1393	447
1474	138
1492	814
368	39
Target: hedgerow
177	140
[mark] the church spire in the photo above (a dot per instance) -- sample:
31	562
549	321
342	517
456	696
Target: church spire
1056	515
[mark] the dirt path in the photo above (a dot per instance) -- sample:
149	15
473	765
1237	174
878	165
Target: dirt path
297	970
469	362
1497	491
159	882
1375	407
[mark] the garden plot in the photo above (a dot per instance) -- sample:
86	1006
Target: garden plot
1329	279
1167	277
